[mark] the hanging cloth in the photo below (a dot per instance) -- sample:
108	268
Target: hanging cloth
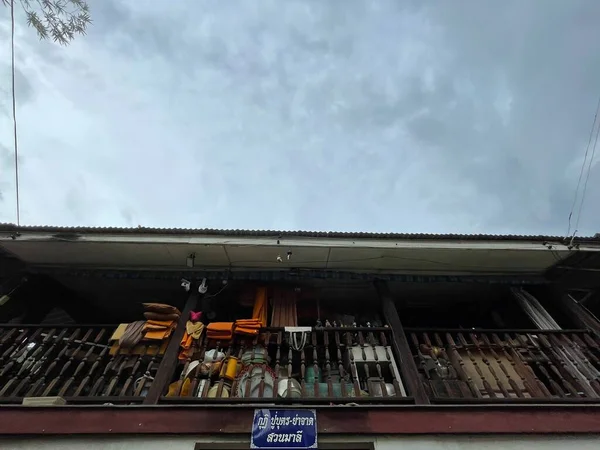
283	312
260	306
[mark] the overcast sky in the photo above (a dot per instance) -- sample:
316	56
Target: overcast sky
406	116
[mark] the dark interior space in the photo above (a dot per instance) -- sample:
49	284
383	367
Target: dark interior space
93	300
476	305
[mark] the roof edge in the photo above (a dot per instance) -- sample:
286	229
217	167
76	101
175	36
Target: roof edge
12	228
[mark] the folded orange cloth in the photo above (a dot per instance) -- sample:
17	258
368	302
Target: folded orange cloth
186	341
221	331
249	331
153	327
220	326
248	326
161	323
157	330
158	335
219	335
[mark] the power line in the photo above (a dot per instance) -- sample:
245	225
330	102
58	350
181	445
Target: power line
585	158
587	177
14	105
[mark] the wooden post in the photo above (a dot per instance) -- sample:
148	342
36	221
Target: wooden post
408	368
169	361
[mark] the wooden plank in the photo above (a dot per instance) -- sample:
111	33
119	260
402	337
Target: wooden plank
167	366
118	333
406	362
211	420
44	401
577	313
322	445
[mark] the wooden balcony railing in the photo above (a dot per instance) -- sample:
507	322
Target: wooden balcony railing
80	364
328	365
459	366
77	363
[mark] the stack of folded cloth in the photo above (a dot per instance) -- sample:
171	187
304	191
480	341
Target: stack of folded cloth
220	331
249	327
160	311
158	330
161	320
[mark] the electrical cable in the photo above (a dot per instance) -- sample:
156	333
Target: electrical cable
14	107
582	170
206	296
587	176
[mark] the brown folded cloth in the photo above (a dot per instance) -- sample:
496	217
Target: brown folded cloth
161	317
161	308
132	335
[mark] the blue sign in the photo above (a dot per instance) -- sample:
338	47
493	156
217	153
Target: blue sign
284	429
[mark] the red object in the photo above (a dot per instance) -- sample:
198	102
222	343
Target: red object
195	316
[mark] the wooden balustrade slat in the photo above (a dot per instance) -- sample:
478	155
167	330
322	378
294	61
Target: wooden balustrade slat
333	363
520	366
69	362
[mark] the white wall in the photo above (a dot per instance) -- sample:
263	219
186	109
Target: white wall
588	442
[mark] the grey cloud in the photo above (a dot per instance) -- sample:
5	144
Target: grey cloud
467	116
6	155
6	162
550	61
23	89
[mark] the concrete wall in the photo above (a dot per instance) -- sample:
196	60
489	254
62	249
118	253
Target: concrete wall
381	442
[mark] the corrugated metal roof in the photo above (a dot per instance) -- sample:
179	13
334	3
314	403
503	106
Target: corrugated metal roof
12	228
